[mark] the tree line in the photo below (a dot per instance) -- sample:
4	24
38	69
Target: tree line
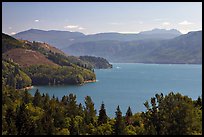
24	114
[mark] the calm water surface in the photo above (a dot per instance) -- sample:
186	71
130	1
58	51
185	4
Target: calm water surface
131	84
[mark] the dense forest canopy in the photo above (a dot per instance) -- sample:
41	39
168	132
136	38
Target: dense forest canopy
24	114
40	64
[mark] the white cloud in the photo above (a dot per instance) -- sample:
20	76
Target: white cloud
185	23
13	33
71	27
166	23
81	28
74	27
37	20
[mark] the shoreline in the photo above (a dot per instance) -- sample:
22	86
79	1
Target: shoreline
157	63
27	88
89	81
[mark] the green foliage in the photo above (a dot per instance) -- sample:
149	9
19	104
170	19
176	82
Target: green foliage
104	129
23	114
71	69
9	42
37	100
96	62
128	116
44	75
173	114
102	118
119	127
13	76
89	111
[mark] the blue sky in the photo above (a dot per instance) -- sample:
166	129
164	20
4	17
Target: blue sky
97	17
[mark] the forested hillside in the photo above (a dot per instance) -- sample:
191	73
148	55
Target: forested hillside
43	64
97	62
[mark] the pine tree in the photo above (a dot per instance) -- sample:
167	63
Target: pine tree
119	124
26	97
10	120
24	124
89	111
102	119
128	116
80	110
37	100
72	105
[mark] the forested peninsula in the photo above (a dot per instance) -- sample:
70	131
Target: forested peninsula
28	63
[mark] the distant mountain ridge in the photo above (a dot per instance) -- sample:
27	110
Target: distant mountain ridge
53	37
154	46
186	48
63	39
161	31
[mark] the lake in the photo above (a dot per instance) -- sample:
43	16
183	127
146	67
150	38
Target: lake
131	84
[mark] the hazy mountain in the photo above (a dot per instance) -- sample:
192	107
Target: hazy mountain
63	39
185	48
161	31
56	38
154	46
159	34
114	51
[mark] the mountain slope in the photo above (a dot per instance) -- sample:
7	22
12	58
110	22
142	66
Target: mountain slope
26	58
63	39
186	48
44	66
57	38
182	49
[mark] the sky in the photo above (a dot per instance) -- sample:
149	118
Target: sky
99	17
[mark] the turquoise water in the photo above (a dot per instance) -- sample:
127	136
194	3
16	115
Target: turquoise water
131	84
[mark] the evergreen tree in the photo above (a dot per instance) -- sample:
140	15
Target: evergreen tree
64	100
198	102
90	112
72	128
10	120
47	122
128	116
173	114
46	101
80	110
102	119
37	100
119	124
26	97
71	105
24	124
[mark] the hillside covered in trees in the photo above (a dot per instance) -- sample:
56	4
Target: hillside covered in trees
40	64
24	114
97	62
